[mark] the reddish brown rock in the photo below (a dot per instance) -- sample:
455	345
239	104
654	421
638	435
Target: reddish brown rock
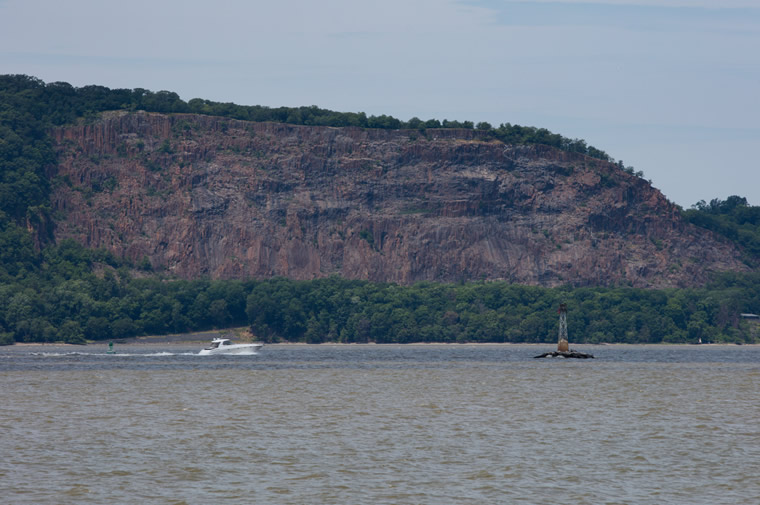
207	196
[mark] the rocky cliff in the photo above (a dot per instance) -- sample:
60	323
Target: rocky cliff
207	196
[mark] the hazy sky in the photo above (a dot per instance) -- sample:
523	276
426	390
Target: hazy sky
671	87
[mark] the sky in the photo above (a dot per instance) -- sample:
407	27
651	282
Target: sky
670	87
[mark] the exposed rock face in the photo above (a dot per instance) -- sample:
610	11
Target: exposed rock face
207	196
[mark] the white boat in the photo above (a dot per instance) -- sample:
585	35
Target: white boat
225	346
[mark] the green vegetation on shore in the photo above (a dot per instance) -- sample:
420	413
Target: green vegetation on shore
79	294
64	292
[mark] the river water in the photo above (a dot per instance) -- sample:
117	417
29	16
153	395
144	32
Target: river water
369	424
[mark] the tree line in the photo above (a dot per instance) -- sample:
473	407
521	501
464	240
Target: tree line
61	103
79	294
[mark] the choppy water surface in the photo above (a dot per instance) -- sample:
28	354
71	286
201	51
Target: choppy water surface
380	424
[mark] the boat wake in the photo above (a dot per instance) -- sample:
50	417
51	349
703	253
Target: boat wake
110	354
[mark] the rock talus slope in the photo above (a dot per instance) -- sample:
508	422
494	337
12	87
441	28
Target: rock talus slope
208	196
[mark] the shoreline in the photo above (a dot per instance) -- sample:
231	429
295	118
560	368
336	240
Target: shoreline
243	334
202	338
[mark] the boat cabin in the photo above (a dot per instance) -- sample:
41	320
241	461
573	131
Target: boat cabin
217	342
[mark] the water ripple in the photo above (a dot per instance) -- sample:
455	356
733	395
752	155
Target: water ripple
374	425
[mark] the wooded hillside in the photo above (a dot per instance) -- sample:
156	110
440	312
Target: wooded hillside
64	292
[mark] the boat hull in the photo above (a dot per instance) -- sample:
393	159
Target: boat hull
233	349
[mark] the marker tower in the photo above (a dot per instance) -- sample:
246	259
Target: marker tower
562	344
